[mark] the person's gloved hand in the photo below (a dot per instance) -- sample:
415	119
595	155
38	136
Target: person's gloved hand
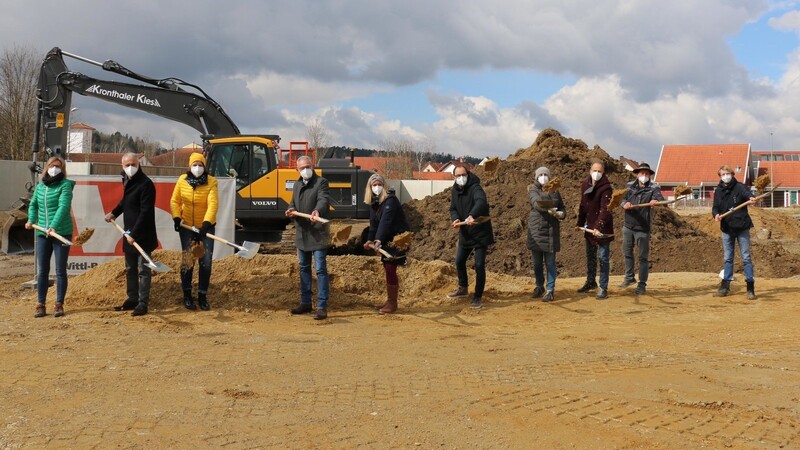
204	230
177	221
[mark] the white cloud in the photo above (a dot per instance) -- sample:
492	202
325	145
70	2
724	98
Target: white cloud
291	90
790	21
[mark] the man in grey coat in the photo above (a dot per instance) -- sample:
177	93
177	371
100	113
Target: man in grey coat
310	196
544	232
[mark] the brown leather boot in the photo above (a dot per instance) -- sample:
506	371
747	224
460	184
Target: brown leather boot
391	304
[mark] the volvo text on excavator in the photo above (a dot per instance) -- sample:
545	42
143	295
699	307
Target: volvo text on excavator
264	173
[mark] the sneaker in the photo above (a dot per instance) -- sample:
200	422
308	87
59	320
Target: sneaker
461	291
626	282
40	310
321	314
640	289
602	294
548	296
304	308
588	286
537	292
59	311
476	303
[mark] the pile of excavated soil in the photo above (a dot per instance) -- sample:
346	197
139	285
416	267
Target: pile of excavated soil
676	245
271	282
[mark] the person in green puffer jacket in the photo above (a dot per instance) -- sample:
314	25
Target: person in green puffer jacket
51	209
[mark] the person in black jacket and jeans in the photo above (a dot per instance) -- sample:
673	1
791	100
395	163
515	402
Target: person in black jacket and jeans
735	228
638	222
138	206
468	203
386	220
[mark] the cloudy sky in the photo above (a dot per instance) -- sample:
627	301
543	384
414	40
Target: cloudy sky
475	78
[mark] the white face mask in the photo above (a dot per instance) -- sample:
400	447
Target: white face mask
53	171
543	179
596	176
726	178
461	180
130	171
197	170
306	173
377	190
643	179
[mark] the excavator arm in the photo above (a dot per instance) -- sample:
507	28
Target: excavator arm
164	97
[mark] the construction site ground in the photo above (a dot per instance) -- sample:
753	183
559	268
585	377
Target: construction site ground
674	368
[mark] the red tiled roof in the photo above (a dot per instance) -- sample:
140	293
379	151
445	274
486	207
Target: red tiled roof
432	176
175	158
80	125
787	173
694	164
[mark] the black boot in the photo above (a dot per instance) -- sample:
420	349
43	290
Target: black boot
203	301
724	289
751	290
588	286
188	301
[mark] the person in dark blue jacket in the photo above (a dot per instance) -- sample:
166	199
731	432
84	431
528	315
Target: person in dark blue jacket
735	228
386	220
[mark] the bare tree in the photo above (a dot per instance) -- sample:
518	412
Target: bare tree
317	137
399	154
18	77
423	151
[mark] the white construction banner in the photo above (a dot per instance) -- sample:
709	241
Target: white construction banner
96	195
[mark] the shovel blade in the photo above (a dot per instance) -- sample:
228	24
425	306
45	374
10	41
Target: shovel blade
158	266
342	235
249	250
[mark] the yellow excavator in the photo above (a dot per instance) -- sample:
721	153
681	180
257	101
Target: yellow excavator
264	172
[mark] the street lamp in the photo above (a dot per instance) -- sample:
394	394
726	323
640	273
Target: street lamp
771	170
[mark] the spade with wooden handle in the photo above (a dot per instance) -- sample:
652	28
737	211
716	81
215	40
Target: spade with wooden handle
155	265
382	252
308	216
661	203
247	250
591	231
722	216
477	221
52	233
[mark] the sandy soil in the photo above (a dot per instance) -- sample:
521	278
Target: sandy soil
675	368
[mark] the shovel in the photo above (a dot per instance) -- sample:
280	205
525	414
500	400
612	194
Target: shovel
308	216
247	250
722	216
157	266
478	220
54	234
591	231
383	252
661	203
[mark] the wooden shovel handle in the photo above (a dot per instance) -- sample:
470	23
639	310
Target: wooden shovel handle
214	237
759	197
308	216
54	234
135	244
661	203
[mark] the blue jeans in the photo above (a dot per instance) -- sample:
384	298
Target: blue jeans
45	247
321	267
728	243
642	241
480	268
137	278
204	271
591	262
540	261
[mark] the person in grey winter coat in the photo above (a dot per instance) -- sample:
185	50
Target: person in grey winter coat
468	204
313	238
638	221
544	233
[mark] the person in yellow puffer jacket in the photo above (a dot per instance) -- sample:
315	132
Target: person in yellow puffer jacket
194	203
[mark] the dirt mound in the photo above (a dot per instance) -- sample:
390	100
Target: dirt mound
271	282
569	159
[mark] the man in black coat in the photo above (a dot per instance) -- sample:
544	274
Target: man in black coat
468	204
138	206
735	228
638	221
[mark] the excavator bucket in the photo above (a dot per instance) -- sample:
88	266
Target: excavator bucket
14	238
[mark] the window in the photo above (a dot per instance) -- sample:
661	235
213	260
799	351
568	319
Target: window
231	160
